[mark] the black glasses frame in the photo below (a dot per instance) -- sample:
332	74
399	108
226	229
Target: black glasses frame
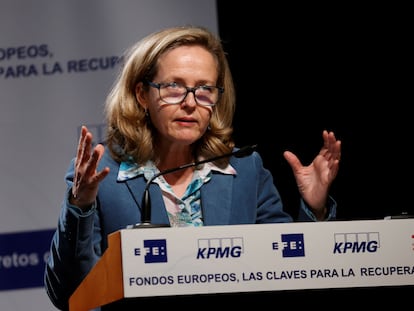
189	90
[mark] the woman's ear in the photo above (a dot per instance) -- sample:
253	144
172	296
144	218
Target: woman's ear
141	95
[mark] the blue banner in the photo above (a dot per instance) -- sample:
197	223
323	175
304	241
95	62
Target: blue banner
22	258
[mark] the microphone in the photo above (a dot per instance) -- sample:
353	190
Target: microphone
146	200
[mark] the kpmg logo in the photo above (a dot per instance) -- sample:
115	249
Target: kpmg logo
293	245
220	248
359	242
155	251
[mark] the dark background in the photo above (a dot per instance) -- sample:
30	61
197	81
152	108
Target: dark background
303	68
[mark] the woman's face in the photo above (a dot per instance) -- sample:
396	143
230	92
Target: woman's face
186	122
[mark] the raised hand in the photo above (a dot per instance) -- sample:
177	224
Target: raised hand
87	178
314	180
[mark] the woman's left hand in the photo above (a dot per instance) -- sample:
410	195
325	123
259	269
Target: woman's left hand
315	179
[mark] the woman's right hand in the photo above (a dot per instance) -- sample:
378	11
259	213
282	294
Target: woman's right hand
87	178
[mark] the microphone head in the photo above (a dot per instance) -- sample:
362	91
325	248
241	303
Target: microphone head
245	151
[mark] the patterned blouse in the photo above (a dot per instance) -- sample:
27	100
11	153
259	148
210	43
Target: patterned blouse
184	211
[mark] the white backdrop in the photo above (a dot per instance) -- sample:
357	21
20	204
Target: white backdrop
57	63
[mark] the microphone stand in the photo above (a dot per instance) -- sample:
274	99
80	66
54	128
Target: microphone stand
146	200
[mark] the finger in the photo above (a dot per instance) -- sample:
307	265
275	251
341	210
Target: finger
79	155
101	175
293	160
338	147
79	151
325	136
92	163
85	147
334	147
82	156
330	140
100	149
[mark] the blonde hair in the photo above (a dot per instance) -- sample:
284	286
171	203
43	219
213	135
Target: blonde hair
130	135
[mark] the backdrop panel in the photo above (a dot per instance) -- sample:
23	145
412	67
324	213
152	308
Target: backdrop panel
58	60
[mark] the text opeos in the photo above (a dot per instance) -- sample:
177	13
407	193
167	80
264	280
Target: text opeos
24	52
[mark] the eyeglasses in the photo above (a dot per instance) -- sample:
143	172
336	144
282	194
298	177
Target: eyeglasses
174	93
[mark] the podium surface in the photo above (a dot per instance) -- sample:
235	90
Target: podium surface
170	262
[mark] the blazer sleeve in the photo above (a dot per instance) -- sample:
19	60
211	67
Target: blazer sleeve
74	249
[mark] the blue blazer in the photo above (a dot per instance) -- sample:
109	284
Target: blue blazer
250	197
